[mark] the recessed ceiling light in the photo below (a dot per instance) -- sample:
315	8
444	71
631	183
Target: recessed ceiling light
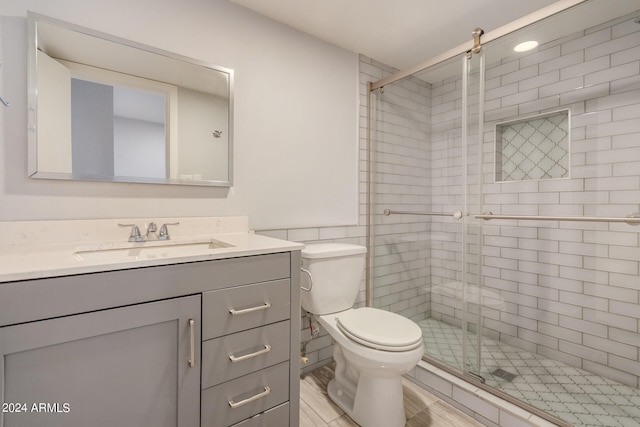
525	46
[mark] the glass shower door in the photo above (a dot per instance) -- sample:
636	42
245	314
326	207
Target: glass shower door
424	182
472	131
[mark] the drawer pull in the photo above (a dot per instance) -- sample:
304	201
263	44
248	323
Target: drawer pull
234	359
235	312
192	347
264	393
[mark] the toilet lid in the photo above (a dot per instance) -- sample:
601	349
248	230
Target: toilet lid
380	329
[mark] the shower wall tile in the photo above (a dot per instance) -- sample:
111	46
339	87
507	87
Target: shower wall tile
612	74
627	98
558	63
624	56
563	86
539	80
585	42
497	93
542	56
524	73
616	45
582	68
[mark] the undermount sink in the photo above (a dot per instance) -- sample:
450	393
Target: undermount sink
148	250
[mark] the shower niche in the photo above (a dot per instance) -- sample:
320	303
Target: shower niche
533	148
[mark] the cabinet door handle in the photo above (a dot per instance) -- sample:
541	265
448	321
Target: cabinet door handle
235	312
264	393
192	343
234	359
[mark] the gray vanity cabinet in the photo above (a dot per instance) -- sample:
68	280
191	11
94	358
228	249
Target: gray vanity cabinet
131	366
206	343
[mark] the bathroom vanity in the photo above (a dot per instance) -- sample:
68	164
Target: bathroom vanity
200	337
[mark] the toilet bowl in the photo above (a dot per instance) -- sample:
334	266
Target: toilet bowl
373	348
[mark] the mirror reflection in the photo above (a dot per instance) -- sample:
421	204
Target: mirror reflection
103	108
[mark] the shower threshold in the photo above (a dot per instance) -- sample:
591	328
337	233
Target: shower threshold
572	395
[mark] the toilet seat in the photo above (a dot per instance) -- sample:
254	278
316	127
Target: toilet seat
379	329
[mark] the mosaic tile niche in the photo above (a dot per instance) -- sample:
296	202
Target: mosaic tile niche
533	148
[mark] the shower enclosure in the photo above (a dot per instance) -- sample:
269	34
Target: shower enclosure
504	192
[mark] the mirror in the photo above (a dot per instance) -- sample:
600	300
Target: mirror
106	109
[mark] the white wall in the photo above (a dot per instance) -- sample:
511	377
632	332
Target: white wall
296	117
199	153
139	148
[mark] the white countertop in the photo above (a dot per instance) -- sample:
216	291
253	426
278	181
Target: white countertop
40	249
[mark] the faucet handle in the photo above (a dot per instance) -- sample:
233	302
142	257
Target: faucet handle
135	232
164	232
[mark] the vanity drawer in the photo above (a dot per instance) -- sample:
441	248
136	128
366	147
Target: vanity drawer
244	397
276	417
252	350
232	310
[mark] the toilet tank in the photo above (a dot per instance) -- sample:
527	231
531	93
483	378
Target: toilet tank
337	270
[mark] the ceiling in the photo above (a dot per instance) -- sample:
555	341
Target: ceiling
399	33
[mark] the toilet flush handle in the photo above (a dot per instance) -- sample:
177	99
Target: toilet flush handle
304	270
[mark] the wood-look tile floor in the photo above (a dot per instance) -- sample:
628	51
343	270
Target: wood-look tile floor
422	408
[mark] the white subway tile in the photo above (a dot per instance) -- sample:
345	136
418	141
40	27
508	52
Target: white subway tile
591	118
624	56
520	97
614	100
612	347
303	234
541	56
572	322
539	105
611	46
584	352
584	93
562	333
523	73
587	67
502	69
561	62
593	39
615	73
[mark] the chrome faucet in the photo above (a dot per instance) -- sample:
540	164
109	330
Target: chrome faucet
151	234
152	228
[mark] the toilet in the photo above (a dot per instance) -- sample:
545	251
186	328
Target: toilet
373	348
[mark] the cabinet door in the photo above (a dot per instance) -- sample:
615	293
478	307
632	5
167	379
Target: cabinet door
132	366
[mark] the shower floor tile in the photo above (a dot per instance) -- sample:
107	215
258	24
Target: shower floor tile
573	395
